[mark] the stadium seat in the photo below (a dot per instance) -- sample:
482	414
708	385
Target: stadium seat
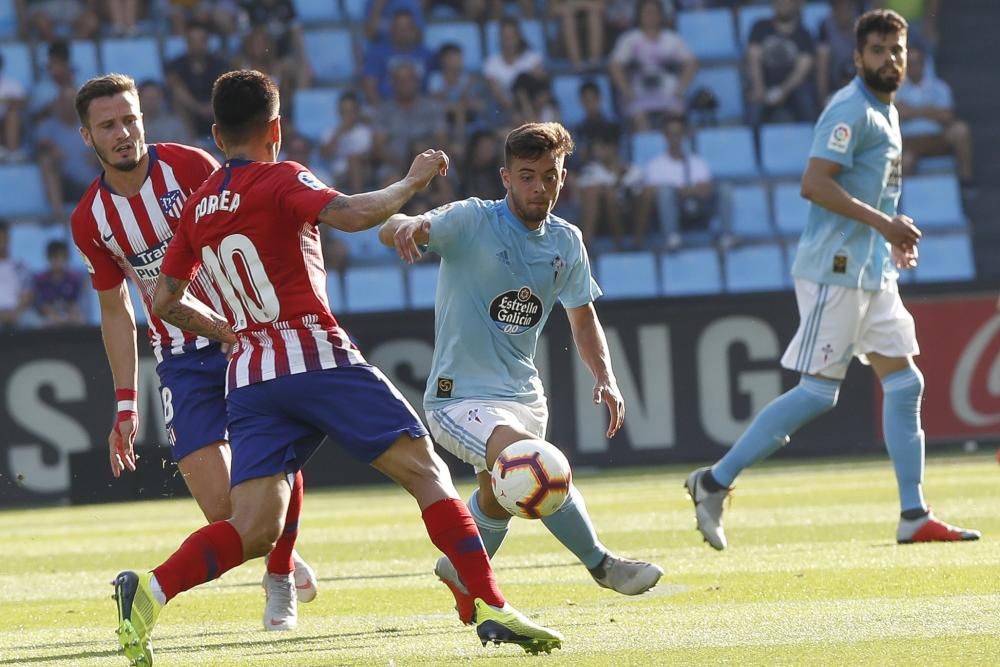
175	46
317	11
647	145
813	14
17	64
691	271
421	284
30	200
791	210
365	248
945	258
330	52
355	9
628	275
566	90
728	150
374	288
315	111
934	202
725	83
749	15
532	29
756	268
8	19
138	57
709	34
463	33
335	291
28	241
940	164
82	57
749	212
784	148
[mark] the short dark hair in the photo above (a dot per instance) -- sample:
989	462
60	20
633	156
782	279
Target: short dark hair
881	21
532	140
59	49
102	86
589	86
243	102
449	47
349	96
56	246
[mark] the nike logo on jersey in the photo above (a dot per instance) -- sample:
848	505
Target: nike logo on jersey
107	239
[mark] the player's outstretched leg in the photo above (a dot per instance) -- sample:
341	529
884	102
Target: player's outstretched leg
931	529
707	507
506	625
138	610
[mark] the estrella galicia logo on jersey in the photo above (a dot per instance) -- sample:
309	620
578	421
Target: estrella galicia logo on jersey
147	263
172	203
516	312
309	180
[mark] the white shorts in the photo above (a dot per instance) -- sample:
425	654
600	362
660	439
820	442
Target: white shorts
837	324
463	427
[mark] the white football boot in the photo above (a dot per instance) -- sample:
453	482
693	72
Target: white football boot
626	576
707	508
305	579
280	607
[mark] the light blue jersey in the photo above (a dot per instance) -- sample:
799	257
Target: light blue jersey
497	285
861	133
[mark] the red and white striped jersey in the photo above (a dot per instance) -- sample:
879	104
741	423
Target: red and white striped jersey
123	237
252	228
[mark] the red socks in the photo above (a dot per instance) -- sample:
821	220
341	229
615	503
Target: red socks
280	559
205	555
453	531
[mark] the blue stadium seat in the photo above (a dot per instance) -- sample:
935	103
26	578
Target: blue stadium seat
532	29
28	241
691	271
463	33
750	212
140	312
355	9
330	52
784	148
813	14
646	146
317	11
566	90
8	19
17	64
82	58
749	15
315	111
940	164
756	268
175	46
422	284
791	210
709	34
725	83
628	275
365	248
138	57
89	304
26	181
728	150
374	288
945	258
934	202
335	291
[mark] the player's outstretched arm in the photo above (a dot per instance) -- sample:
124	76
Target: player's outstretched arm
592	346
406	233
172	303
355	213
118	331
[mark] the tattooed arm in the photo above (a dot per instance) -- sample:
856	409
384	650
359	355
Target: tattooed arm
172	303
355	213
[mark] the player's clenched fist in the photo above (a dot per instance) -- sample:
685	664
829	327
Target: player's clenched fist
426	166
901	232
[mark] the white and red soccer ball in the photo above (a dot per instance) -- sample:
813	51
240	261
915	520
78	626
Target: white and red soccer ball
531	479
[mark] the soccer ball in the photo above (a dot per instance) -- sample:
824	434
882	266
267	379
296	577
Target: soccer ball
531	479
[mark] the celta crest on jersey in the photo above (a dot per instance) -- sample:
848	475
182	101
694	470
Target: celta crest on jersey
515	312
172	203
147	263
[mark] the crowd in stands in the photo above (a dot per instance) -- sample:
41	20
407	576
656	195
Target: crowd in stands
367	83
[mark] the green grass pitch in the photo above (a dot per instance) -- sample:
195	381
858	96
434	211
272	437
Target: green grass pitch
812	577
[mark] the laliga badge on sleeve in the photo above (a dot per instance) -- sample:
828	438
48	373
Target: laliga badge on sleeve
840	138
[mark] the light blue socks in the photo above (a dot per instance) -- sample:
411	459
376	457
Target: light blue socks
771	427
904	438
491	530
571	525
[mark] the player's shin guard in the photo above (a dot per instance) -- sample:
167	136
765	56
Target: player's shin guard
453	531
904	438
205	555
280	559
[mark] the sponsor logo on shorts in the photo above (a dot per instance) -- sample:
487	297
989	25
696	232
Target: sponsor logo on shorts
827	351
516	312
473	416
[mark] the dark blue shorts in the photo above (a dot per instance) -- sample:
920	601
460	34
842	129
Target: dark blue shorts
275	426
193	394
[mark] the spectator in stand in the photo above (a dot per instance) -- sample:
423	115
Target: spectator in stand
191	77
570	14
14	294
347	148
603	185
595	123
219	15
922	18
929	125
534	101
124	16
514	58
524	9
161	123
278	19
12	102
404	43
58	75
780	59
462	94
651	68
835	51
298	148
379	16
48	20
470	10
55	294
480	172
68	164
259	52
678	184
